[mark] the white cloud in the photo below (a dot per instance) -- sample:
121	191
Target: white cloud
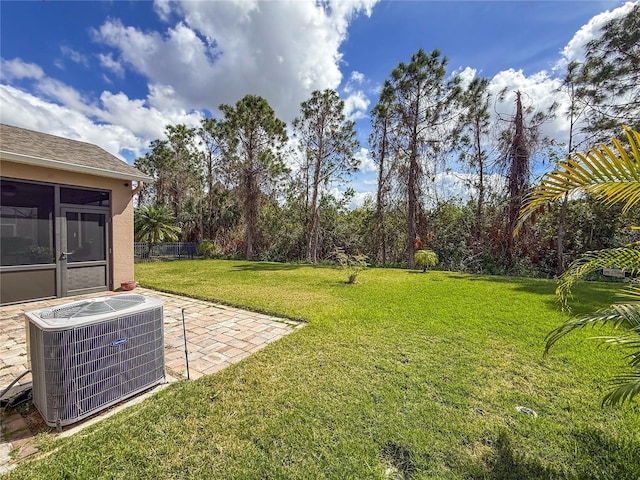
162	9
220	51
356	78
539	91
542	89
360	197
164	99
366	162
108	62
211	53
65	95
141	116
356	105
575	49
16	69
28	111
114	121
449	185
466	75
74	55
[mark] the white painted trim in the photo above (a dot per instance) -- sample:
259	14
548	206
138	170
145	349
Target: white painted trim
58	165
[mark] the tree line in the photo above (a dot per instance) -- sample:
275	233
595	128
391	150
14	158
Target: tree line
241	183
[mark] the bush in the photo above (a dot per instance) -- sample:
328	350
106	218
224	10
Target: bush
353	264
209	249
425	259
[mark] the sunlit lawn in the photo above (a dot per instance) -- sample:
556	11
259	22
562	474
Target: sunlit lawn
403	375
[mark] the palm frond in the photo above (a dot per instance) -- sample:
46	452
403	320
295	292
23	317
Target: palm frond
629	341
625	258
612	175
631	291
617	315
625	386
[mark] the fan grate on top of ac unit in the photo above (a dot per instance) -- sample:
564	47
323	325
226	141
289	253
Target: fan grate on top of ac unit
93	307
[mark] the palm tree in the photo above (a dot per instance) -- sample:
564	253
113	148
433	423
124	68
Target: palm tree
611	175
155	224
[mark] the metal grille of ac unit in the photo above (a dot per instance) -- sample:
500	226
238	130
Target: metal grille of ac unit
81	369
93	307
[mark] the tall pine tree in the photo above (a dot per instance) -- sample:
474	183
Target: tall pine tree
253	143
423	101
328	143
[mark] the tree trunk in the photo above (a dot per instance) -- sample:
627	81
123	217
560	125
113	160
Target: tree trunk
412	184
412	210
563	209
561	235
382	231
312	243
412	200
480	206
209	213
480	209
314	229
518	173
251	212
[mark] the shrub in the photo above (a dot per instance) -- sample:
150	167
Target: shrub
426	259
353	264
209	249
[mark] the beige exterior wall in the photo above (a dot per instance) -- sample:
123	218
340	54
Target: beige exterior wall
121	209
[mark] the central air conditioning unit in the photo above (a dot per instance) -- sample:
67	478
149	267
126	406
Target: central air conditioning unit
89	355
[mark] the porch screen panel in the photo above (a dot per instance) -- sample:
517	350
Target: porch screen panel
86	236
26	223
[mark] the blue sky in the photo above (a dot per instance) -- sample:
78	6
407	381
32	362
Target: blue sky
488	35
115	73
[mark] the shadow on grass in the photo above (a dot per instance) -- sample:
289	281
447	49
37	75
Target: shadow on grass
613	458
594	453
586	297
267	267
509	464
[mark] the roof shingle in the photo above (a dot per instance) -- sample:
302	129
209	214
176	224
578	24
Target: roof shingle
62	153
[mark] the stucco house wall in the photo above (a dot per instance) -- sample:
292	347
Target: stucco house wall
30	156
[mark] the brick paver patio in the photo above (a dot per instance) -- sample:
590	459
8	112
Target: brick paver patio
217	336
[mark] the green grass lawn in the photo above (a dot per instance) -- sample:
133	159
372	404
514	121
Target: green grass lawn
403	375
